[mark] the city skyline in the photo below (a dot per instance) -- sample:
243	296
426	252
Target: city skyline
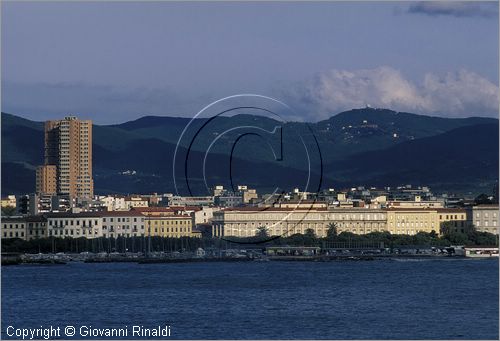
228	169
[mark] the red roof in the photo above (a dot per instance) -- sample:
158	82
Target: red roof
153	209
130	213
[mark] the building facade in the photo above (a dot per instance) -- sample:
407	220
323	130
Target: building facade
46	180
284	221
36	227
68	157
13	227
169	226
453	219
9	201
74	225
123	224
136	201
485	218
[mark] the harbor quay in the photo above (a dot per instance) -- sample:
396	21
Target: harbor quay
338	252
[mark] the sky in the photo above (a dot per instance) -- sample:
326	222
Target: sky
117	61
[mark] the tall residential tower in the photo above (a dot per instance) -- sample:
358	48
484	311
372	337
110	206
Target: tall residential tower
68	158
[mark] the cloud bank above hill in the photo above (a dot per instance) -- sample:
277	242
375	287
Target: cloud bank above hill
461	93
458	94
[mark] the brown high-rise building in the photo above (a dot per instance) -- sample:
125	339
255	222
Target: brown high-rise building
46	179
68	151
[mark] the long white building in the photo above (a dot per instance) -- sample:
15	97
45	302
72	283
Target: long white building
245	221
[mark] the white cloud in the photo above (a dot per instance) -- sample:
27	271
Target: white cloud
458	94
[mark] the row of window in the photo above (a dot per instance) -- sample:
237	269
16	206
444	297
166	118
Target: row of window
485	214
486	223
62	223
451	217
124	227
121	219
174	222
13	234
71	232
180	229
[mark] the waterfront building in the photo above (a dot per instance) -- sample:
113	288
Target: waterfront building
170	226
412	220
68	158
452	219
358	220
485	218
24	227
13	227
286	221
36	227
74	225
167	221
123	224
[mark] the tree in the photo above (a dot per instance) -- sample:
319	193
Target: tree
8	211
310	234
332	231
457	238
482	199
262	232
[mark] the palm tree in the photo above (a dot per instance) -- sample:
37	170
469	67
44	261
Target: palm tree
332	230
262	232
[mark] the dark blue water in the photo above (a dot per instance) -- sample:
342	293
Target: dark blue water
438	298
